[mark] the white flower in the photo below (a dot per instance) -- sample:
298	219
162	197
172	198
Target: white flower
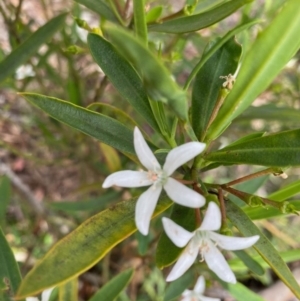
197	293
204	241
45	295
158	178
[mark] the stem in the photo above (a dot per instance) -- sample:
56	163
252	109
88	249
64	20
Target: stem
222	205
140	25
222	95
250	177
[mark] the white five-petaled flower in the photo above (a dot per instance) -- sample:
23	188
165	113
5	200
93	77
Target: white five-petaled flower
158	177
204	241
197	293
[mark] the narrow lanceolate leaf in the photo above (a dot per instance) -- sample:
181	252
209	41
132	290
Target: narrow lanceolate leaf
68	291
280	149
101	127
100	7
241	292
83	247
10	277
204	97
5	194
122	75
29	47
271	51
157	79
199	21
264	247
111	290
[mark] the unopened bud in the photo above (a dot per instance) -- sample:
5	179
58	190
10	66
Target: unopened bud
73	49
82	24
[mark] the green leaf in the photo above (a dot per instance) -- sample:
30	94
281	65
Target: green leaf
29	47
157	79
176	288
264	247
279	149
286	192
10	277
240	292
95	204
100	7
5	193
271	51
166	251
270	112
122	75
68	291
93	124
84	247
114	287
249	262
204	97
239	267
268	211
199	21
153	14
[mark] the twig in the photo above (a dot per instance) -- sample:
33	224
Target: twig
18	183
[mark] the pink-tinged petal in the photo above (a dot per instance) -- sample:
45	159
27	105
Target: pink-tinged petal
127	178
182	154
185	261
183	195
200	285
212	218
217	263
145	207
233	243
144	152
179	236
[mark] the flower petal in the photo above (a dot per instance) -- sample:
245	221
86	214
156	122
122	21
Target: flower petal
185	261
183	195
179	236
212	218
145	206
128	178
200	285
182	154
217	263
144	152
233	243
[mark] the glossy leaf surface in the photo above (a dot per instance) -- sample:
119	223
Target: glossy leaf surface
271	51
10	277
30	46
111	290
199	21
280	149
68	291
264	247
96	125
87	244
157	79
207	84
122	75
100	7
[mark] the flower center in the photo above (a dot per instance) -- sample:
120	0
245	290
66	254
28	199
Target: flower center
202	238
157	177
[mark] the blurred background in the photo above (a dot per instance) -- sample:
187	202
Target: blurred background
51	175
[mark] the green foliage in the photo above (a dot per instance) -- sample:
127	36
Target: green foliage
179	85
